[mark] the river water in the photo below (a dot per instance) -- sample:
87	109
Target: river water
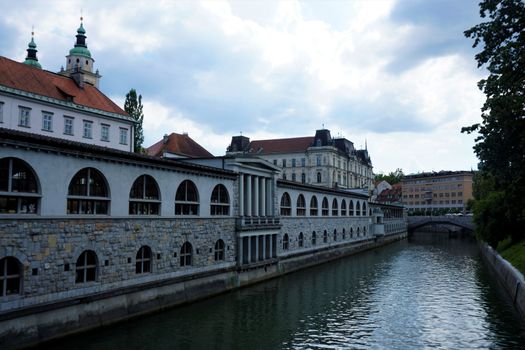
422	293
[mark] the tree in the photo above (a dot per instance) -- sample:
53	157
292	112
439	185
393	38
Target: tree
392	178
133	106
500	146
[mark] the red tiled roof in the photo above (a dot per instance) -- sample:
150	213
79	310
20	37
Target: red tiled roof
179	144
295	144
40	82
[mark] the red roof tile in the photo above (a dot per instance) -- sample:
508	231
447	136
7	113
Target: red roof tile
40	82
179	144
295	144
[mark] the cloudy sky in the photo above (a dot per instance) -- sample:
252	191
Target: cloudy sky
398	74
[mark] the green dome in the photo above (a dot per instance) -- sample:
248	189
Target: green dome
33	63
81	29
32	44
80	51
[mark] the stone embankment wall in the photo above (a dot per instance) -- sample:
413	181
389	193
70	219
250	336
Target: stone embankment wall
511	278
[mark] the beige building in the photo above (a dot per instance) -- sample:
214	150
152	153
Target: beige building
447	190
317	160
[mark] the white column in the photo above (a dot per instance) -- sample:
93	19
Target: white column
256	196
248	195
269	200
264	248
249	249
256	248
240	250
263	196
241	194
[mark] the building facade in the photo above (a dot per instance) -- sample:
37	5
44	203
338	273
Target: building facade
320	160
445	191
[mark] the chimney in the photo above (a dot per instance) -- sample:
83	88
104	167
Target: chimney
185	133
78	77
165	138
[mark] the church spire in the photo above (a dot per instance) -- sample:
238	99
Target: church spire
31	58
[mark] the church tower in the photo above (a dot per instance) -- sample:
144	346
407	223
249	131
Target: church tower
79	61
31	58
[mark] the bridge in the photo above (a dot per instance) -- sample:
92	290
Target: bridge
463	222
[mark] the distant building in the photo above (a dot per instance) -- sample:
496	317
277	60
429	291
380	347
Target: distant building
392	195
318	160
178	146
379	186
446	190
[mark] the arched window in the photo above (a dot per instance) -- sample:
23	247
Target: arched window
86	267
344	234
325	210
18	187
286	205
335	235
343	208
143	260
301	240
319	178
364	230
325	236
186	253
313	206
144	197
88	193
10	276
357	209
301	206
358	232
364	208
286	242
314	238
351	232
187	199
351	208
220	201
303	178
335	210
219	250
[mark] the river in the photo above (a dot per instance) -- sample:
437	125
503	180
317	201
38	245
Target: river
422	293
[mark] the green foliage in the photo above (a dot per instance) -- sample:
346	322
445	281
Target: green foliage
133	106
393	177
515	254
499	208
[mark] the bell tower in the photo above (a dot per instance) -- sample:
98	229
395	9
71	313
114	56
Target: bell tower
31	58
79	61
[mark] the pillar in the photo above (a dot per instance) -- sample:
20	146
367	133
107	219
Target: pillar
248	195
241	194
256	195
263	197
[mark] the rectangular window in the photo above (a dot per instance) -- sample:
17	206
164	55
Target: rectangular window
68	125
284	163
123	136
318	161
303	162
47	121
88	129
293	163
275	162
24	117
104	133
1	112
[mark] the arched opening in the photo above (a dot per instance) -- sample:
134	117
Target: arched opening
335	209
301	240
88	193
314	211
19	187
343	208
286	242
219	250
220	201
144	198
187	199
286	205
10	276
301	206
143	260
86	267
325	210
186	254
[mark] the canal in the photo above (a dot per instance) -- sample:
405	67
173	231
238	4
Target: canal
422	293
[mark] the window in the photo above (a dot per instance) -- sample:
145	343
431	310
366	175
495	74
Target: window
313	206
1	112
284	176
88	193
275	162
293	176
86	267
325	210
335	211
357	209
351	208
364	209
144	197
88	129
301	206
358	232
68	125
187	199
220	201
343	208
286	242
123	136
286	205
318	161
351	232
314	238
293	163
301	240
10	276
460	194
284	163
219	250
24	117
303	162
303	178
47	121
104	132
344	234
319	177
335	235
18	187
186	252
325	236
143	260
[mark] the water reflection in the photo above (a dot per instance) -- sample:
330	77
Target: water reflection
423	293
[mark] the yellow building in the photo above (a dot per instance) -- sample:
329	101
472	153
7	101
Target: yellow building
446	190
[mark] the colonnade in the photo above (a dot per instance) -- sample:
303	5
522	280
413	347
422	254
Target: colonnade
256	248
255	195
